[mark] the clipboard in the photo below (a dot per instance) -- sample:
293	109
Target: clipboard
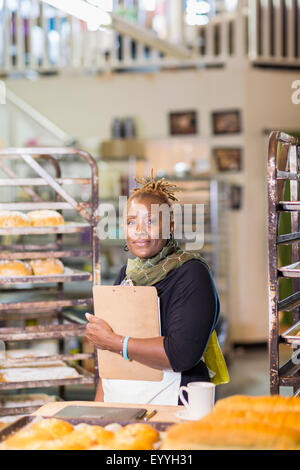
132	311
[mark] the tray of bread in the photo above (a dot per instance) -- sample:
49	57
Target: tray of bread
38	222
39	271
292	335
236	423
38	433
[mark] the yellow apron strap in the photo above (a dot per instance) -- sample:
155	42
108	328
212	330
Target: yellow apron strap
215	362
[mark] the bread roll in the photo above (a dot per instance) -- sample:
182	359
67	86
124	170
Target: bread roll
230	435
9	219
31	437
45	218
46	267
262	403
136	436
12	268
286	419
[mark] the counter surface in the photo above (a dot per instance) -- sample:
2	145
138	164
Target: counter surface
164	413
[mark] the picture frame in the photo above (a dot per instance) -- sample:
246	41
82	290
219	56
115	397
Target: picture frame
226	122
183	122
228	159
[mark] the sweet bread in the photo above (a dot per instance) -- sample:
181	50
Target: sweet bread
285	419
32	436
233	435
45	218
11	268
9	219
46	267
82	437
136	436
261	403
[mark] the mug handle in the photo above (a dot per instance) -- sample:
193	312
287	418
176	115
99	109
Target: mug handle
181	390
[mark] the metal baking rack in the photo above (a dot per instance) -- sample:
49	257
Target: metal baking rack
38	299
283	179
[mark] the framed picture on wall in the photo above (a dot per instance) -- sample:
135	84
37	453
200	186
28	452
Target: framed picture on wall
183	123
228	159
226	122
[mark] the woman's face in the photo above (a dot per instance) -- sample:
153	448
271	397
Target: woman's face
143	229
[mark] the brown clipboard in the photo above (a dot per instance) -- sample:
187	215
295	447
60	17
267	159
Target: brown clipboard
130	311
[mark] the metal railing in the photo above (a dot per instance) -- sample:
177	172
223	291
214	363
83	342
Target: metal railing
44	39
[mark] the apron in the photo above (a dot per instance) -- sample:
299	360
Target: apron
164	392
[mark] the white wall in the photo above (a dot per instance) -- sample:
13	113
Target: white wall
84	107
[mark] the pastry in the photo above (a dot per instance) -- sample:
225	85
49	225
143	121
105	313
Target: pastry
47	267
45	218
233	435
12	268
9	219
286	419
32	436
136	436
262	403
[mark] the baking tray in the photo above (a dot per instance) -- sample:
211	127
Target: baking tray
290	336
291	270
22	403
84	377
68	275
68	227
24	421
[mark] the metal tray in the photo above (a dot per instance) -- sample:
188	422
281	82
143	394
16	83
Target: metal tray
289	205
291	270
22	422
290	336
68	275
68	227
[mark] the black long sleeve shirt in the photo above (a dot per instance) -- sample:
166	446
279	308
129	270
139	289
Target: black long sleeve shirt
189	308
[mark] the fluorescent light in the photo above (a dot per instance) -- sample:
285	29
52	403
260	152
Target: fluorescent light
92	15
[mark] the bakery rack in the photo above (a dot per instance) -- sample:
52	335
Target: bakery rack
283	198
39	299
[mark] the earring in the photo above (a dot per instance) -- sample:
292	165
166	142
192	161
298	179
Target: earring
125	248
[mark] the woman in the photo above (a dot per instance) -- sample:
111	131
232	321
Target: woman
189	307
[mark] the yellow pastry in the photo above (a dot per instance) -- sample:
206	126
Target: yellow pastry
45	218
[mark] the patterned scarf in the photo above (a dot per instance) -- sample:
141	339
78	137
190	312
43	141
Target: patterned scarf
149	271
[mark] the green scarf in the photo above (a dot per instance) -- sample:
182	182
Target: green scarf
149	271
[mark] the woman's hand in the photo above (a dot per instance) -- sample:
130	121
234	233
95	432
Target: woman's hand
99	333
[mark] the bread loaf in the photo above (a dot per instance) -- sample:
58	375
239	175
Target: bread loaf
46	267
9	219
234	435
45	218
261	403
12	268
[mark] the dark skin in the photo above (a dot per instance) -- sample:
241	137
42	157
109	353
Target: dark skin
144	238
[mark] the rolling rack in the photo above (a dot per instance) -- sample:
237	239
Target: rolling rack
42	301
283	170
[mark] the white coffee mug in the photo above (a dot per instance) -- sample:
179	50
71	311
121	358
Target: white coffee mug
201	396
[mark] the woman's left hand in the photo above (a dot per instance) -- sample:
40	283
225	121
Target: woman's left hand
99	333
